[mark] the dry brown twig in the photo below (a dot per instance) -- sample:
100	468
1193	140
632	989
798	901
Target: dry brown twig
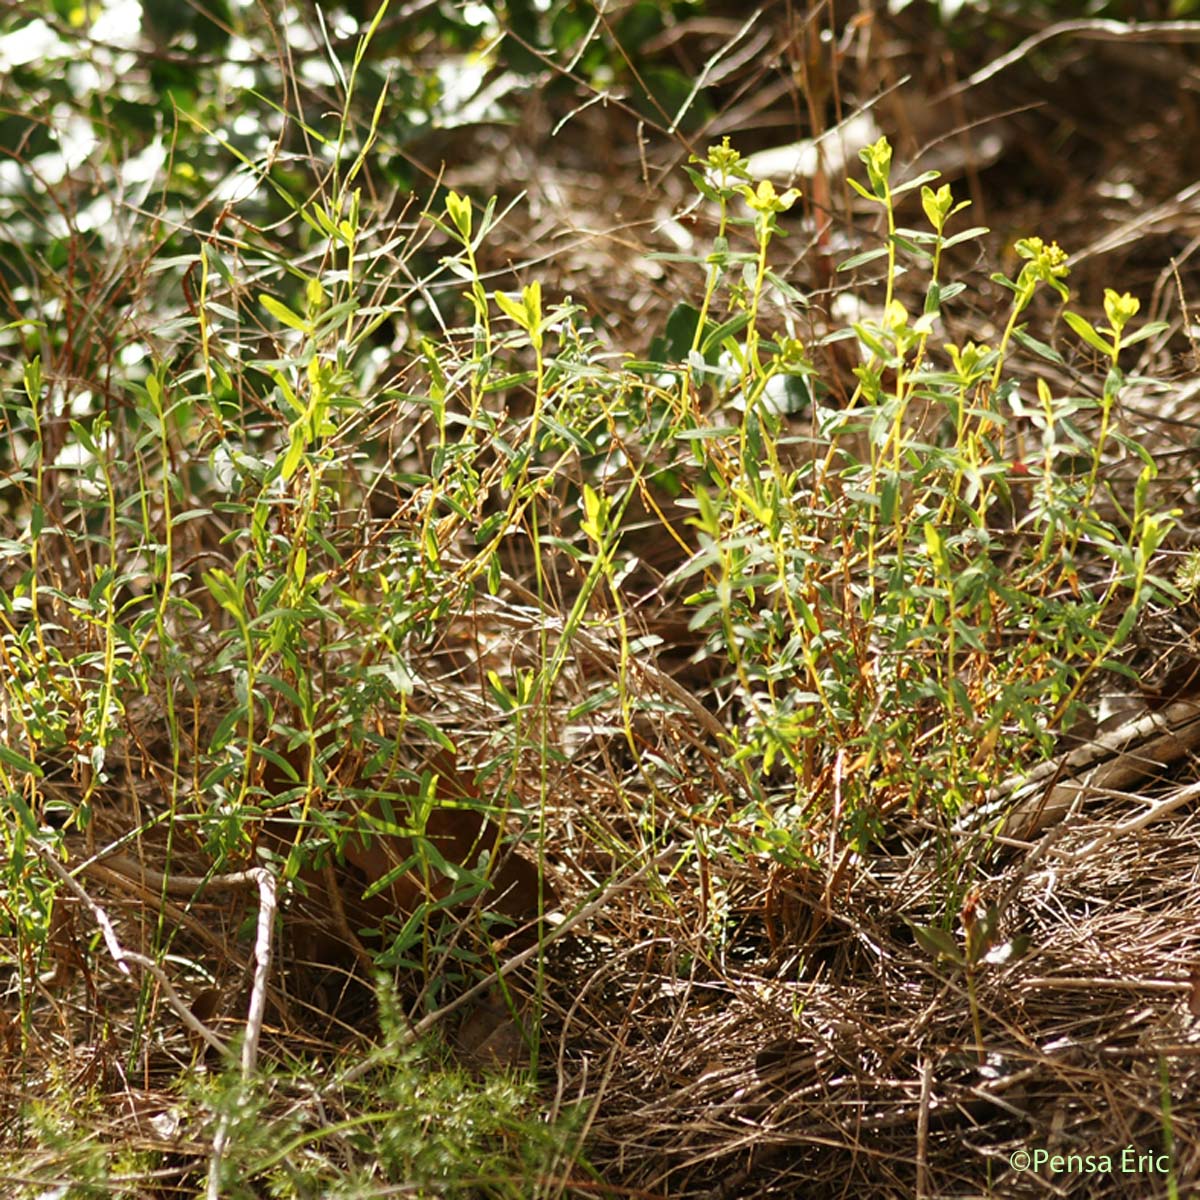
1097	29
122	957
254	1017
186	885
1031	802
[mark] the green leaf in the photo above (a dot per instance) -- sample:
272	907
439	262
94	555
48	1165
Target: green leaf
786	289
323	220
1087	332
225	729
673	346
936	548
859	259
84	437
289	396
923	178
295	452
512	309
459	209
1039	348
1154	327
888	496
286	690
25	813
862	191
19	762
713	338
32	378
966	235
283	314
937	943
706	432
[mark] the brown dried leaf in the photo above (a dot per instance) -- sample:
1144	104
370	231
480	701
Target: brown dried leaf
1194	994
204	1006
459	835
